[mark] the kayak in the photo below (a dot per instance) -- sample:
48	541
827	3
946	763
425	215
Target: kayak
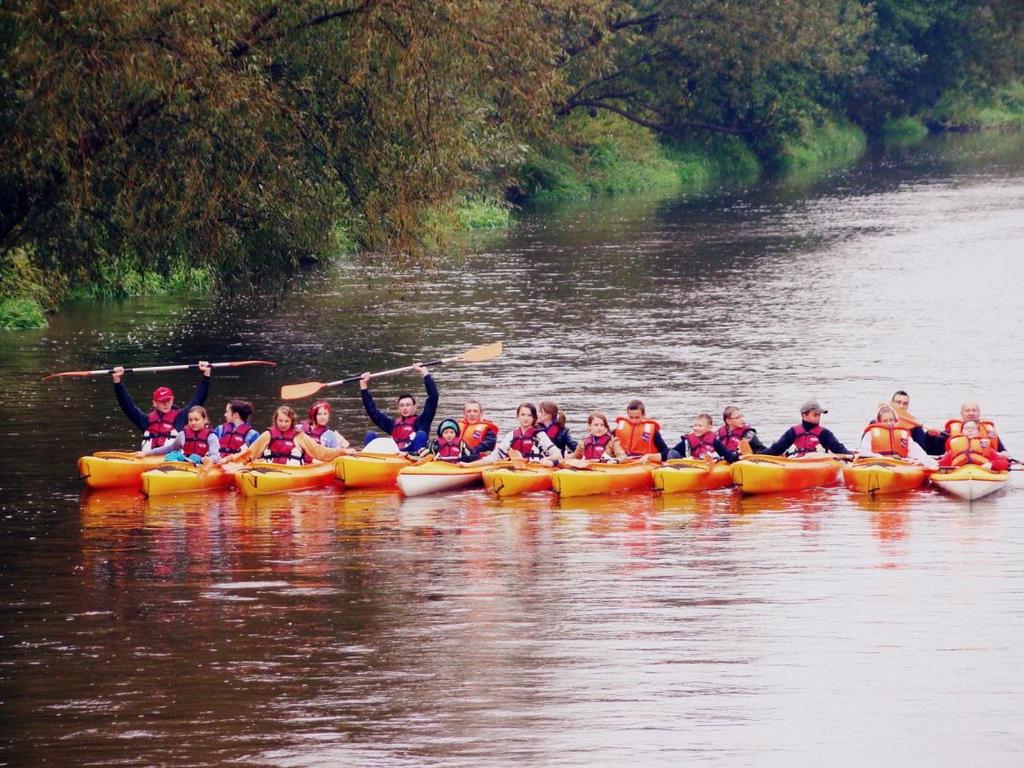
509	481
262	478
686	475
970	481
599	478
435	477
115	469
881	474
184	477
776	474
370	470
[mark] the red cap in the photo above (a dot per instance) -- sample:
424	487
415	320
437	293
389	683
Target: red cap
162	393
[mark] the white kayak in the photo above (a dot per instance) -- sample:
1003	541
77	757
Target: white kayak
436	477
970	481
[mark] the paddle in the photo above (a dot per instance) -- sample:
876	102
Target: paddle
474	355
235	364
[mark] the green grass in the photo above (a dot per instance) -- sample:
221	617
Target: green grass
829	145
962	109
482	212
119	278
904	130
21	313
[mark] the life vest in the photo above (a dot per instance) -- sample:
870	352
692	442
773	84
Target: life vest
955	427
731	437
316	432
473	434
282	448
232	438
448	450
524	441
195	442
402	432
160	427
700	446
889	441
969	450
637	437
807	440
594	447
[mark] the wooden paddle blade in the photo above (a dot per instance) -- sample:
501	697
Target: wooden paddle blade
479	354
298	391
238	363
68	373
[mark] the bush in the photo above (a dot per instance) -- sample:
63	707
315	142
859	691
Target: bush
20	313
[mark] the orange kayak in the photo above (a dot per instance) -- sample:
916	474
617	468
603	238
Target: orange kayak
688	475
599	478
115	469
509	481
881	474
262	478
176	477
370	470
777	474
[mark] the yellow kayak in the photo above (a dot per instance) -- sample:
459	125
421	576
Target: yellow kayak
509	481
882	474
970	481
778	474
370	470
115	469
599	478
262	478
435	477
184	477
688	475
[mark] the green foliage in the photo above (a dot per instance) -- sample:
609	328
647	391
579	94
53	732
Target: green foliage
21	313
832	143
904	129
962	109
482	212
124	276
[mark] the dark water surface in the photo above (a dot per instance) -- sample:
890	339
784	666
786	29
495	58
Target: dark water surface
358	628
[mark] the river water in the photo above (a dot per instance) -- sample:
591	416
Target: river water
330	628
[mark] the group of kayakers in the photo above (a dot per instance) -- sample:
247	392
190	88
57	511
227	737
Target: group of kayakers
540	434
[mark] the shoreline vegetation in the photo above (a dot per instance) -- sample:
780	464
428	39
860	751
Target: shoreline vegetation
151	154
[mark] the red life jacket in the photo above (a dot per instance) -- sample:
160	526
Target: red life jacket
448	450
195	442
731	438
524	441
405	427
473	434
700	446
889	441
160	427
637	437
282	448
232	438
807	440
594	447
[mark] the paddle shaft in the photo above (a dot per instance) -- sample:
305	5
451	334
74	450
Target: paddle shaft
149	369
352	379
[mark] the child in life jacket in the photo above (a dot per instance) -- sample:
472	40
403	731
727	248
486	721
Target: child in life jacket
885	437
700	442
447	446
599	444
969	447
284	443
316	426
196	443
236	432
553	423
639	435
527	440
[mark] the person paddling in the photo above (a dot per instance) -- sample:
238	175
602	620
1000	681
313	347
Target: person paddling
196	443
318	427
807	436
284	443
886	437
553	423
928	439
972	447
409	430
600	444
236	432
164	421
527	440
639	435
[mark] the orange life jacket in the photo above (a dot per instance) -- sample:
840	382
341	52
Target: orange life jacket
889	441
473	434
955	427
637	437
969	450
